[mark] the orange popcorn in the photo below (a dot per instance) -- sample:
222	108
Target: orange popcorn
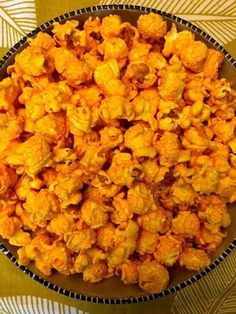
151	26
117	151
152	277
194	259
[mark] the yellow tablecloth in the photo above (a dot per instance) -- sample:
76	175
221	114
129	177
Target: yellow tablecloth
215	293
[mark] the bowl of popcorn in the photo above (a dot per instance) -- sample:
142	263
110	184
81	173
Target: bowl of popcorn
118	165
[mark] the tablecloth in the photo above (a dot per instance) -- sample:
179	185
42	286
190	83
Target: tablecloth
215	293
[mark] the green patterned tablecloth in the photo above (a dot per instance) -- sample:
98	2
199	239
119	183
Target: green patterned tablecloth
215	293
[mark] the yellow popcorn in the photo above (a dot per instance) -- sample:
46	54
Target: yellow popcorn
194	55
107	75
33	61
70	67
106	237
214	213
124	170
140	199
116	107
110	26
9	91
145	107
62	223
20	238
52	126
183	192
128	272
95	272
153	277
153	173
168	249
81	119
151	26
154	222
209	240
122	210
194	259
114	48
186	223
139	139
104	185
168	148
42	206
10	128
94	157
147	243
176	43
80	240
67	188
171	84
195	139
63	32
212	63
9	226
141	74
111	136
94	214
33	155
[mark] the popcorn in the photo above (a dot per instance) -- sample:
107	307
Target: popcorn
117	151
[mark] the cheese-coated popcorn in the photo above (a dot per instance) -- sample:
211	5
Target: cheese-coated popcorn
214	213
61	224
81	119
117	151
111	136
194	55
209	240
123	210
176	43
194	259
42	206
80	240
94	214
212	63
145	106
153	173
9	91
183	193
67	188
168	148
139	139
186	223
147	242
94	157
106	237
195	139
106	76
116	107
124	170
110	26
140	199
95	272
153	277
33	155
33	61
128	272
154	222
151	26
168	249
70	67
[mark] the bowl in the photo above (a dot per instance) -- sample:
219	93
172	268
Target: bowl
112	290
